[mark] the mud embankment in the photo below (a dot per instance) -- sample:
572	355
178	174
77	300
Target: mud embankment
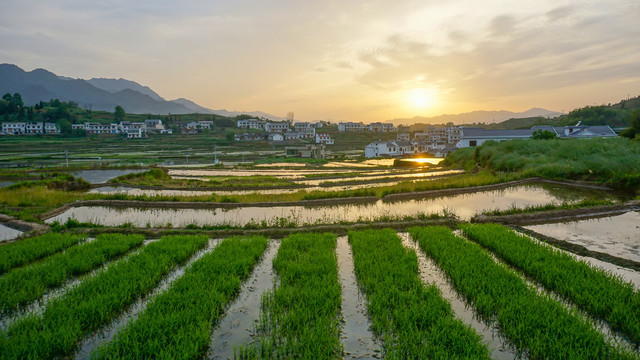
28	228
581	250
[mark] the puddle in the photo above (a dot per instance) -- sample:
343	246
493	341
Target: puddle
4	183
617	235
107	333
357	339
237	327
7	233
102	176
500	347
463	205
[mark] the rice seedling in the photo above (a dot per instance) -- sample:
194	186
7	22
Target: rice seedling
599	292
23	285
178	322
301	317
414	321
95	301
27	250
537	324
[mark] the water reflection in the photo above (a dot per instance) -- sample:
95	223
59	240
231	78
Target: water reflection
463	205
7	233
102	176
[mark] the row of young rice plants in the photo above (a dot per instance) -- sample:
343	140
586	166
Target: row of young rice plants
95	301
178	323
301	317
597	291
413	319
22	252
23	285
537	324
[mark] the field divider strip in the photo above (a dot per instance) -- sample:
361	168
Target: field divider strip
430	273
238	325
95	301
107	333
535	321
598	294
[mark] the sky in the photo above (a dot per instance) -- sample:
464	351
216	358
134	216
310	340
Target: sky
340	60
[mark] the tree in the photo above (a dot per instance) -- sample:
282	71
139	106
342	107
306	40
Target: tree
543	135
634	125
118	114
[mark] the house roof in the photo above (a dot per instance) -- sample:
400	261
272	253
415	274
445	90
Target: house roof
489	134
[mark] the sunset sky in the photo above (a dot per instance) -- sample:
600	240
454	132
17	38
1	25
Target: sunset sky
340	60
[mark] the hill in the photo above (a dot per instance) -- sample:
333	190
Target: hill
476	117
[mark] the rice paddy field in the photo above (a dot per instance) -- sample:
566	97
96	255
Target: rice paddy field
431	292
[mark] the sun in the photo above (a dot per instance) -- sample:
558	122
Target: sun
421	98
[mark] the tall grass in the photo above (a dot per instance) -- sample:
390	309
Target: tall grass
414	320
301	317
95	302
27	250
599	292
537	324
178	323
23	285
611	161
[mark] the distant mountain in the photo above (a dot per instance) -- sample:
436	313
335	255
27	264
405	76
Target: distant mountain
99	93
115	85
487	117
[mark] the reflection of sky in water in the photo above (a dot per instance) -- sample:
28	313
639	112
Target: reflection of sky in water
616	235
7	233
102	176
464	205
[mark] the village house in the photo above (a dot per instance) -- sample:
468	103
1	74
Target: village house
250	136
14	128
280	127
382	127
274	137
351	126
99	129
29	128
251	124
323	138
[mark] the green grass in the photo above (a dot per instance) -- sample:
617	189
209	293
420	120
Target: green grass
599	292
95	302
529	209
301	317
23	285
536	324
178	323
610	161
413	319
24	251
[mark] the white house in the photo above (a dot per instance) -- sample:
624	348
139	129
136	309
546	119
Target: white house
276	126
134	133
382	127
14	128
322	138
34	128
351	126
98	129
251	124
477	136
578	131
276	137
51	128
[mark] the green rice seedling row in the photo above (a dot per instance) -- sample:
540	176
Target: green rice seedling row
597	291
414	321
301	317
95	301
23	285
178	323
537	324
25	251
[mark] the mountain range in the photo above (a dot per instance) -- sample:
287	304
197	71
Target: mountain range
100	93
481	116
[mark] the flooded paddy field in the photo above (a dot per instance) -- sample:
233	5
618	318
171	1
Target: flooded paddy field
616	235
8	233
234	326
101	176
463	205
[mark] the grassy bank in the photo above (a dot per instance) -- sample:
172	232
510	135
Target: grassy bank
613	162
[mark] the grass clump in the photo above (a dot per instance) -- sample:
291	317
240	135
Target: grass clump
537	324
23	285
301	317
601	293
178	323
96	301
24	251
529	209
414	321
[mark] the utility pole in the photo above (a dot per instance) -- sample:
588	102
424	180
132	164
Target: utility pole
215	154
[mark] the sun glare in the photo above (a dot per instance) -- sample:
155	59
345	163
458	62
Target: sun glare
420	98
